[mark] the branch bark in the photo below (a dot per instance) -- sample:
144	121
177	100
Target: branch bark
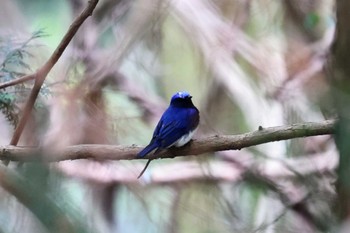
195	147
42	72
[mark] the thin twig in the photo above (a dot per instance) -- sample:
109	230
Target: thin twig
17	81
195	147
42	72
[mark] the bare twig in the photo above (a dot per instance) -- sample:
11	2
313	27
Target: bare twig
196	147
17	81
42	72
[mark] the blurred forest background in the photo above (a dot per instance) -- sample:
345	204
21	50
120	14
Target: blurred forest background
246	64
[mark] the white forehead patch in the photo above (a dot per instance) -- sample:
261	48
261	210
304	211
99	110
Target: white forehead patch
182	94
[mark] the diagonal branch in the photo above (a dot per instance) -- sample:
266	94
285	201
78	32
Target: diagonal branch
27	194
42	72
196	147
17	81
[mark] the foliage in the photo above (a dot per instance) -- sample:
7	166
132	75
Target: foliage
14	56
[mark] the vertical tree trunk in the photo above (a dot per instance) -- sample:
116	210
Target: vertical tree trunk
340	74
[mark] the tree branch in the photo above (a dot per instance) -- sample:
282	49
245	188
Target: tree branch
27	194
195	147
42	72
17	81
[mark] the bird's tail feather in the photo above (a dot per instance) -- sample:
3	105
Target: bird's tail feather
148	149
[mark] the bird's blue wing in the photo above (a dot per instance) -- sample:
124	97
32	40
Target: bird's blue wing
171	133
174	124
155	143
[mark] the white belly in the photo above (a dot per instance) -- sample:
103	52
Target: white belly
184	139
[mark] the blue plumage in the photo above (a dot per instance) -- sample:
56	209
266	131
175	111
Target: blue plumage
176	126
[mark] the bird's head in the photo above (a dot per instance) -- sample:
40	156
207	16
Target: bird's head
181	99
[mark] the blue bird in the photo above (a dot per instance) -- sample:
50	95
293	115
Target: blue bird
176	126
